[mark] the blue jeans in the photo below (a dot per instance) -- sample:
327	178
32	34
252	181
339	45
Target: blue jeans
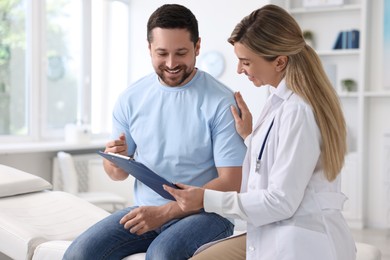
177	239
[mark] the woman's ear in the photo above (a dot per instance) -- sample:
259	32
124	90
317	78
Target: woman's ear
281	63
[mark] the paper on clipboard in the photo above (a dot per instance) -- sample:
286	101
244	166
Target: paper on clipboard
141	173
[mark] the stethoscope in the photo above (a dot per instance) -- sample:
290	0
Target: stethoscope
258	161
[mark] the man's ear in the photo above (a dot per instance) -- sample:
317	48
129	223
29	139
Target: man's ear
150	49
197	47
281	63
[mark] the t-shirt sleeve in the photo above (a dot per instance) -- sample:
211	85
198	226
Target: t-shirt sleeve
120	124
229	148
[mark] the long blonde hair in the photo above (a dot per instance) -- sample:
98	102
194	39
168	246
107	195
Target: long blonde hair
270	32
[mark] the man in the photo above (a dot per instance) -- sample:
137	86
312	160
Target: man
178	123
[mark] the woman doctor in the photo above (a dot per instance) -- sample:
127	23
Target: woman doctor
290	193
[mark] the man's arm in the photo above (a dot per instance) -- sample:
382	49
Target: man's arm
118	146
144	219
229	179
115	173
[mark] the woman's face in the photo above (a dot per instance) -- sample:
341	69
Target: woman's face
259	70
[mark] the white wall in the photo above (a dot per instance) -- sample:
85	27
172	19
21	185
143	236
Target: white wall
216	19
377	204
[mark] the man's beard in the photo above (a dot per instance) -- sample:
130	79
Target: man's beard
177	80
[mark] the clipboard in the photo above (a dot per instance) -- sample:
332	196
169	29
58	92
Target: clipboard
141	173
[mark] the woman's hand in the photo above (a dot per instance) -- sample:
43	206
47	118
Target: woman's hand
189	198
243	122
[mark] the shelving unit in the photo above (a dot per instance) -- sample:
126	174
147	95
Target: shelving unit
326	22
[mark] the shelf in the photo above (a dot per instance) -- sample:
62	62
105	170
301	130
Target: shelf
341	52
324	9
348	94
377	94
368	94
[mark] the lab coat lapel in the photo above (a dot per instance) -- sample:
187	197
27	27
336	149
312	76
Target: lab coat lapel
263	114
274	101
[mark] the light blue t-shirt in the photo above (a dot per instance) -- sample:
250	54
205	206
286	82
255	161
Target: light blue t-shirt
181	133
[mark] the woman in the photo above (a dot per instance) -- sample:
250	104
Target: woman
290	193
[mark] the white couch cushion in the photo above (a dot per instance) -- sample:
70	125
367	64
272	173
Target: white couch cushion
31	219
13	182
54	250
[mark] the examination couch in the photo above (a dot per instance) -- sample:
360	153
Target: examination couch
37	223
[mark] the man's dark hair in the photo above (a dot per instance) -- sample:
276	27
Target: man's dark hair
173	16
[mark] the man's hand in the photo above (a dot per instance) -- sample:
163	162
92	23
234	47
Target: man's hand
118	146
143	219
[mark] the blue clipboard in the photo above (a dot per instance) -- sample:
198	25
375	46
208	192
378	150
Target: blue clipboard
141	173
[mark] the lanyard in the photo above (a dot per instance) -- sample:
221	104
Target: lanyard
263	146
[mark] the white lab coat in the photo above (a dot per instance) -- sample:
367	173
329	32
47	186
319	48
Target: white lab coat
292	210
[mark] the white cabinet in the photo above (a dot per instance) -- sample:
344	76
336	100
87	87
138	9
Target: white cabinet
326	22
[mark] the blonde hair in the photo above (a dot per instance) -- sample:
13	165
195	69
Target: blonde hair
271	32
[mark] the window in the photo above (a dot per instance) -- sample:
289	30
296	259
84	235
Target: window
63	65
61	62
13	90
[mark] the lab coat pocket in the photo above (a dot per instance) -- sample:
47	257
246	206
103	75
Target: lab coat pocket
295	242
258	180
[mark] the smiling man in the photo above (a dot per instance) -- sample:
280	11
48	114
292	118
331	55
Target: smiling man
176	121
173	55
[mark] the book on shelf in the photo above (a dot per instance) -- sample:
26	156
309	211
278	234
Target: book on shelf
338	44
353	39
347	40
